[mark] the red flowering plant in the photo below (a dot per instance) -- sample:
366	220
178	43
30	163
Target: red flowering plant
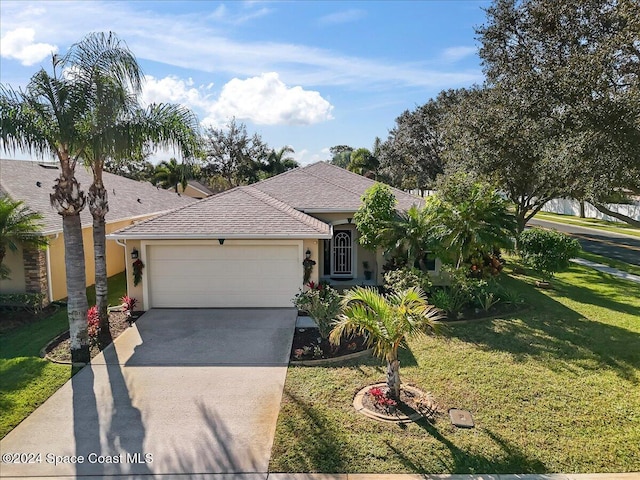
93	324
381	400
129	304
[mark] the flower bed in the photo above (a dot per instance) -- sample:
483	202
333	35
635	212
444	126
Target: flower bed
309	345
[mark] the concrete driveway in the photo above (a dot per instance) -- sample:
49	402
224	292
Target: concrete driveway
183	392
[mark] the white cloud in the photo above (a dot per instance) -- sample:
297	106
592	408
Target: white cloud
19	44
344	16
453	54
262	100
171	89
267	100
196	41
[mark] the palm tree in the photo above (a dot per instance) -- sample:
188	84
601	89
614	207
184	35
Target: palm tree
364	163
18	224
278	162
409	236
478	220
170	174
50	116
387	321
119	127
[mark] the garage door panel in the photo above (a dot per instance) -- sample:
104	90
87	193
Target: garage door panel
225	276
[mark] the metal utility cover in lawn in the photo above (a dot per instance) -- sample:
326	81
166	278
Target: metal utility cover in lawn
461	418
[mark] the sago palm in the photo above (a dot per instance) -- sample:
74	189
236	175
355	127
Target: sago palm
18	225
387	322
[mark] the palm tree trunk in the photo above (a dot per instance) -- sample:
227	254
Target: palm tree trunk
99	206
77	304
393	377
69	201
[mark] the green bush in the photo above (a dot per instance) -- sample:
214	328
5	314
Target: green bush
547	251
404	278
31	302
322	303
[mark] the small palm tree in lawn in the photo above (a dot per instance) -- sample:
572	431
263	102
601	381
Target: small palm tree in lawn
387	321
18	225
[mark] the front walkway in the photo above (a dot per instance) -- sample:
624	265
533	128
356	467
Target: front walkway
183	392
607	269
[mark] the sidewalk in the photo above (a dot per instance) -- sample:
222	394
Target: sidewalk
606	269
485	476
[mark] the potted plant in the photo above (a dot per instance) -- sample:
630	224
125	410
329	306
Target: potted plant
367	272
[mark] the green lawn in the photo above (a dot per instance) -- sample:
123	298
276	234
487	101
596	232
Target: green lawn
553	389
26	380
590	222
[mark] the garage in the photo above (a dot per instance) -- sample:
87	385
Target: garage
233	274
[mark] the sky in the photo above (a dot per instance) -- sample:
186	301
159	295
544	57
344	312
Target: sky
308	74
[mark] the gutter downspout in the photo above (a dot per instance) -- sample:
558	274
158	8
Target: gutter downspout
48	260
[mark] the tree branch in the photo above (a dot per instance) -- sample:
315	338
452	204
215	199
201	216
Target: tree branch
619	216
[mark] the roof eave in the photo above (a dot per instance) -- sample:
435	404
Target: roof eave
216	236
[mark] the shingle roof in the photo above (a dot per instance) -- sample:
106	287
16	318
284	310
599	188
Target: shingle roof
127	198
325	187
273	208
236	213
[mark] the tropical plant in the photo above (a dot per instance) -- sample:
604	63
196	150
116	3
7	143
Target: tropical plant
279	162
18	225
387	322
322	303
408	237
171	174
547	251
472	218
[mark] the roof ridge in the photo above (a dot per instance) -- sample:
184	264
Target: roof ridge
334	183
361	176
283	207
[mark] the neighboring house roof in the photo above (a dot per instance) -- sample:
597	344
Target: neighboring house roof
33	183
242	212
199	187
272	208
323	187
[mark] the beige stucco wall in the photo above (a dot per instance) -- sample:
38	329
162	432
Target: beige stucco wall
16	283
313	247
115	258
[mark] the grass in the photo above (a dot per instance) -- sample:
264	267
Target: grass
617	227
26	380
553	389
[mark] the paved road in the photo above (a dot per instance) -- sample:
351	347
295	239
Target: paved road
608	244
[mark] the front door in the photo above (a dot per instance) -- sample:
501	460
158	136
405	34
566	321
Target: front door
342	254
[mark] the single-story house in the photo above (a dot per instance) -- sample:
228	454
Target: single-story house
245	247
43	271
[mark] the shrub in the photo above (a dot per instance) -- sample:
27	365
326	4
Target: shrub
93	321
404	278
322	303
547	251
129	304
32	302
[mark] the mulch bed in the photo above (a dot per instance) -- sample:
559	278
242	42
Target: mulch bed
61	351
309	345
413	402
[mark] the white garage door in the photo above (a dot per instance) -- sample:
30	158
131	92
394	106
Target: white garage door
223	275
